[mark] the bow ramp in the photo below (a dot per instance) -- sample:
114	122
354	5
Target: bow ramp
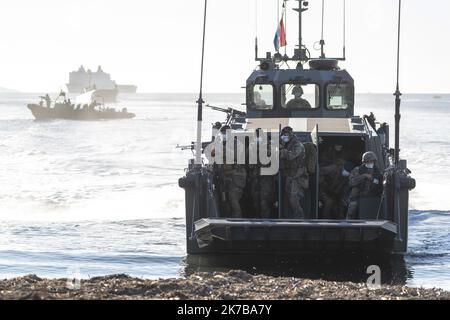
221	234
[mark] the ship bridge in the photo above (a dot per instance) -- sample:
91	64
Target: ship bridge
323	91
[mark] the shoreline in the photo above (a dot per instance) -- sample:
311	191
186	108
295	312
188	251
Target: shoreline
233	285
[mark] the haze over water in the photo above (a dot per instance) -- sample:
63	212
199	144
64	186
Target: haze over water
103	196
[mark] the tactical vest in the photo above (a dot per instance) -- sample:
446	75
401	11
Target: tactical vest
368	187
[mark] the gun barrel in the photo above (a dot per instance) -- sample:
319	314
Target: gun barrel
231	111
217	108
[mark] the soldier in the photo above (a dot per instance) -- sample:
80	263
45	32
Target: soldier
334	189
259	102
261	186
232	177
294	173
298	102
48	101
334	154
365	180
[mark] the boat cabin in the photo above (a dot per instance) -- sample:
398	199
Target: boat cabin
323	91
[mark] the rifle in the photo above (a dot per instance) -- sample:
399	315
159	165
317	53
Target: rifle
231	112
186	147
192	146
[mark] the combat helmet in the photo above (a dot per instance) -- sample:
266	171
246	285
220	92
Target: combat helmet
297	91
368	157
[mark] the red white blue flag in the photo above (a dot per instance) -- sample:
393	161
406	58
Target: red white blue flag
280	36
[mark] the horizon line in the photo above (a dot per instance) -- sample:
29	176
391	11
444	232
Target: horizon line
7	90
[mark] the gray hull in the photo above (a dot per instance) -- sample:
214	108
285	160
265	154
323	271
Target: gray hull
42	113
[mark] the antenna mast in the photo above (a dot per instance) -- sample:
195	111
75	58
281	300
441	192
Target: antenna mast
344	30
302	7
322	41
198	146
397	92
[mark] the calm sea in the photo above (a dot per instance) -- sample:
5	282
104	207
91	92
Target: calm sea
102	197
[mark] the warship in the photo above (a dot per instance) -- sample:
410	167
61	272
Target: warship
83	80
86	107
326	119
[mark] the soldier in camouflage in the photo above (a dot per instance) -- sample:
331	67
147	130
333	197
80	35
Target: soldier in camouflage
262	187
232	178
334	187
365	180
293	170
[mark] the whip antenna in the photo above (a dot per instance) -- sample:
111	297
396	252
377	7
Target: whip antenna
322	41
198	146
256	30
397	92
344	27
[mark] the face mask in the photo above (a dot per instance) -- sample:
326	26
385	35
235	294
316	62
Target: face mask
285	139
345	173
338	148
370	165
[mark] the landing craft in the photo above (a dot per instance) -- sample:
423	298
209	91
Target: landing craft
87	106
325	119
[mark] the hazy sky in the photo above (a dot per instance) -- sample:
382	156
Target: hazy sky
156	44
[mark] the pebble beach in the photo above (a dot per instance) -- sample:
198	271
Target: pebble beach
233	285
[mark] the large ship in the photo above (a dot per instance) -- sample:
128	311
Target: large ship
82	80
313	99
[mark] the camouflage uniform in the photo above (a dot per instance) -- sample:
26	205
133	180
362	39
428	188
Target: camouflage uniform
294	173
332	156
232	181
333	190
362	186
261	186
262	191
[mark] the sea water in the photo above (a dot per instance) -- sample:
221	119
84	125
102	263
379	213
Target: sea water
102	197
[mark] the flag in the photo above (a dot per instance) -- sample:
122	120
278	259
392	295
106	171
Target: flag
280	36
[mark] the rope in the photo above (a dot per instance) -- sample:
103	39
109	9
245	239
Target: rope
285	25
278	13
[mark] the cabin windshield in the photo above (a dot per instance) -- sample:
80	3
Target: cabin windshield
339	96
300	97
263	97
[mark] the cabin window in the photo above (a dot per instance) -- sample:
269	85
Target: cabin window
300	97
339	96
263	97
